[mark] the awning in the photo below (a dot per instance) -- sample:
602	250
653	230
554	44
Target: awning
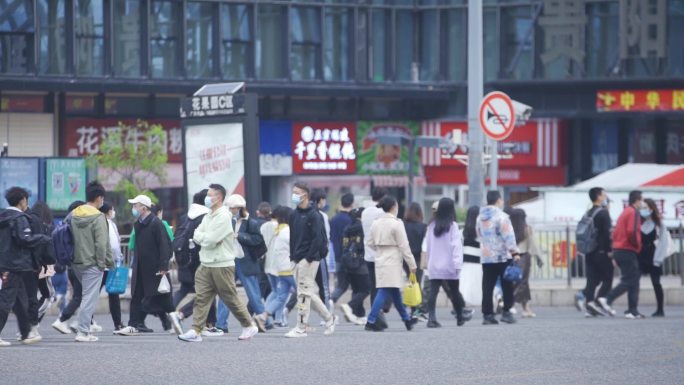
632	175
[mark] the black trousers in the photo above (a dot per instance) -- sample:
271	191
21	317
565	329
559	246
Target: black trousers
599	272
629	279
114	303
13	298
491	272
76	296
435	284
341	283
31	287
656	272
360	285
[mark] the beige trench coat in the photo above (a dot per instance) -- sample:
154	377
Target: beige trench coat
388	238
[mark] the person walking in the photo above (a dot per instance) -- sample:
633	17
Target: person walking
416	231
445	259
327	267
355	269
368	217
92	254
44	259
151	265
117	255
186	253
337	226
308	246
470	284
655	243
16	261
527	245
498	248
626	248
387	237
216	273
598	262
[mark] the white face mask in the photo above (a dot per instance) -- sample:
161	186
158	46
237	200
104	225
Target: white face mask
113	214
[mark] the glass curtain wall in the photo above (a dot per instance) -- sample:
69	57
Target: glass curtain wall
236	41
89	36
52	48
127	22
199	39
271	42
165	43
305	49
16	36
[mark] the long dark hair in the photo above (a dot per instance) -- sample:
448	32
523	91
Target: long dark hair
414	213
445	216
42	211
655	214
387	203
519	224
469	230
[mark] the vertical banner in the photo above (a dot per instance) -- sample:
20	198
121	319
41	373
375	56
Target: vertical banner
373	157
214	154
65	180
20	172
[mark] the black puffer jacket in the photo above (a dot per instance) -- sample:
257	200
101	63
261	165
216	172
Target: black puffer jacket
17	241
250	238
307	235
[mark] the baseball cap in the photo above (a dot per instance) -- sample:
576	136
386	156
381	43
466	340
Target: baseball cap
142	199
236	200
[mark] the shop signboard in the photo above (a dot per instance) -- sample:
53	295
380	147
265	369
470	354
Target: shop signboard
324	147
374	158
639	100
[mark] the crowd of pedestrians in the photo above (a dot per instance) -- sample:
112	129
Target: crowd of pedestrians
284	257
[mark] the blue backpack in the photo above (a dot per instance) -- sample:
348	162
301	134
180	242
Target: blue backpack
63	241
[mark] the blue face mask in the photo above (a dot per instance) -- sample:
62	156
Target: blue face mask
135	213
296	199
208	202
645	213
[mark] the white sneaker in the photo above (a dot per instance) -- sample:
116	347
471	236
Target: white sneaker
190	336
61	327
296	333
4	344
212	332
128	331
348	313
82	337
176	322
361	321
604	304
248	333
95	328
330	326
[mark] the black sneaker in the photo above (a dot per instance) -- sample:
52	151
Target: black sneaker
508	318
381	323
409	324
144	329
433	325
490	320
659	313
373	327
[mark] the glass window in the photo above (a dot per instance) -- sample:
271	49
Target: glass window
89	34
165	24
127	35
380	38
455	29
338	35
430	51
602	39
491	44
52	39
16	36
404	45
199	39
270	50
517	48
675	35
305	31
236	41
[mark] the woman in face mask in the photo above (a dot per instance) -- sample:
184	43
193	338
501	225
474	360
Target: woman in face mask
654	249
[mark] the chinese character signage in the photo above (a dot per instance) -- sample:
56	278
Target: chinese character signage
215	154
324	148
65	180
214	105
377	158
563	22
21	172
640	100
82	137
275	142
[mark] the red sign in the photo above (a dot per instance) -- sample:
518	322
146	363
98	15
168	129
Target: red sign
497	116
22	103
323	148
81	137
639	100
538	156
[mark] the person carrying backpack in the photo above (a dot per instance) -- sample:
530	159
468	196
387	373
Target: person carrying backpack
593	240
355	269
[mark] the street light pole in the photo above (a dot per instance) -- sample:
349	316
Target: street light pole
475	91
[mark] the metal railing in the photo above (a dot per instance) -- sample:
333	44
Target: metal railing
557	248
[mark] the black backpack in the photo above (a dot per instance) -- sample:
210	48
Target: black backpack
181	241
353	249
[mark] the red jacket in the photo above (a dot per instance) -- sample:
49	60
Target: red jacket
627	232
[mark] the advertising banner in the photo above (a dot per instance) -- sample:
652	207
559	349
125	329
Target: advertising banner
215	154
639	100
20	172
65	181
376	158
324	147
275	143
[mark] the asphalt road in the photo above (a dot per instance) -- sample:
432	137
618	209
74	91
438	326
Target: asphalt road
557	347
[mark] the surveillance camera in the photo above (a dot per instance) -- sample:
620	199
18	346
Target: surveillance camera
523	112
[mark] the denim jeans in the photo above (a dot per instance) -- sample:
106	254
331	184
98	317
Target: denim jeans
382	295
256	305
276	301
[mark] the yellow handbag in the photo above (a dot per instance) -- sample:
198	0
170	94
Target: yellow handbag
412	294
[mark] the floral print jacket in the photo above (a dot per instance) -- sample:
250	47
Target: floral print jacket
496	234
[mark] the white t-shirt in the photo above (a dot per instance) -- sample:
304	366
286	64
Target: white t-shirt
369	216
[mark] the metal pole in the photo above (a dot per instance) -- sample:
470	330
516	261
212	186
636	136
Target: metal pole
412	159
568	257
475	90
494	165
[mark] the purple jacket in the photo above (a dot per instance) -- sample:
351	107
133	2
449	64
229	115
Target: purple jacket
445	253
